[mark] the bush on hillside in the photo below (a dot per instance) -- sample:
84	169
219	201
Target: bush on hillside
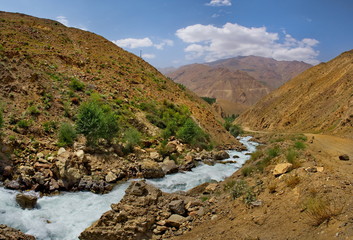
192	134
66	135
76	85
96	120
132	138
209	100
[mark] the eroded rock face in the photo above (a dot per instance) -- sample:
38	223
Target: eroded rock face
13	234
145	212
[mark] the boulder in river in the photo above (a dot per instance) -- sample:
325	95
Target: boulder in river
220	155
26	201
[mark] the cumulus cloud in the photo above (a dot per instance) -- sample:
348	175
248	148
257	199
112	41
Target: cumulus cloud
212	43
142	42
148	56
218	3
134	42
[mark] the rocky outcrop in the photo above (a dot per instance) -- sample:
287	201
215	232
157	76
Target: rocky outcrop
146	213
8	233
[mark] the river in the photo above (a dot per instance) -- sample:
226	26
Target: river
65	216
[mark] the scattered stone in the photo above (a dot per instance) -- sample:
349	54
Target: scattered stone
110	177
14	184
155	156
40	155
220	155
26	201
282	168
211	187
13	234
175	220
61	151
8	172
257	203
235	156
177	207
80	154
320	169
344	157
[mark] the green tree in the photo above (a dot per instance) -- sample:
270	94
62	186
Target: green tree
96	120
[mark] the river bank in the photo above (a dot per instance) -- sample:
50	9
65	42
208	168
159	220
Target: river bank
66	215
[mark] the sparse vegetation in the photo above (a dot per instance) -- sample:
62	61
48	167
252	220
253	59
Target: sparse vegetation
247	171
292	181
320	210
233	129
299	145
24	123
132	138
76	85
96	120
33	110
240	188
66	135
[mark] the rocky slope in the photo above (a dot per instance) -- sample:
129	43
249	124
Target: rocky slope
13	234
48	71
268	71
318	100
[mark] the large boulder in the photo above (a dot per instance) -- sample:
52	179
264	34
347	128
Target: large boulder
26	201
13	234
220	155
282	168
177	207
151	169
169	166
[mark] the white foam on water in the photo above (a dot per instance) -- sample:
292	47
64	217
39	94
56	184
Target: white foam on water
61	217
65	216
205	173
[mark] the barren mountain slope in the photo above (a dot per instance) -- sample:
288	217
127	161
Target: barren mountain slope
318	100
39	58
220	83
266	70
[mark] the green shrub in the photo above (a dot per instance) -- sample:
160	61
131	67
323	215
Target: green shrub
235	130
291	155
132	138
273	152
209	100
256	155
299	145
239	188
192	134
66	135
96	120
247	171
24	123
33	110
50	126
76	85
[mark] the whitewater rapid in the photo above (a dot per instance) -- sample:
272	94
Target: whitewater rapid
65	216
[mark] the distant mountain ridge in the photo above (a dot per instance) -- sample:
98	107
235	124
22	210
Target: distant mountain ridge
269	71
318	100
241	80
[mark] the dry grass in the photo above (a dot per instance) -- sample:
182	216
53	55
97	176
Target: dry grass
320	210
292	180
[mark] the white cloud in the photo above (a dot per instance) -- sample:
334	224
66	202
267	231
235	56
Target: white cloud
63	20
142	42
218	3
134	42
212	43
148	56
165	42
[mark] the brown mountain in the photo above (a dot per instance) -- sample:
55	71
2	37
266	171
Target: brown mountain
318	100
237	87
269	71
40	57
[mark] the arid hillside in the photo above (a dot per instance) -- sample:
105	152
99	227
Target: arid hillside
318	100
40	58
268	71
237	87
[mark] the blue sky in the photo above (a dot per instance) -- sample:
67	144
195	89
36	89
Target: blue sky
179	32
